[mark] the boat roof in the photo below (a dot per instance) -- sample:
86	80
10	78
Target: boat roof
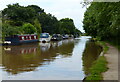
27	35
23	35
44	33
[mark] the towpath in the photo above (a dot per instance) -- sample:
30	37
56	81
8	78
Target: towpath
112	59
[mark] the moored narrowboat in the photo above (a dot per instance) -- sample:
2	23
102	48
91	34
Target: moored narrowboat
20	39
66	36
45	37
56	37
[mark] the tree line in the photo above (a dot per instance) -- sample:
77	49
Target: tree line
102	21
32	19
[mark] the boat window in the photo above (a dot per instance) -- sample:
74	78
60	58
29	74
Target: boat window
22	37
30	37
34	37
44	35
26	37
55	35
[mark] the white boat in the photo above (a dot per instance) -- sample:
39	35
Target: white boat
45	37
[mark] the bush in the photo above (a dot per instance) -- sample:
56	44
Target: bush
29	28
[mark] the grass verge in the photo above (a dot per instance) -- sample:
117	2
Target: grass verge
99	66
103	44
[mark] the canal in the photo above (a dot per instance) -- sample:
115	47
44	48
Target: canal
61	60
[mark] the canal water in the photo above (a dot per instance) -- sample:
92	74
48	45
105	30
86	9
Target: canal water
61	60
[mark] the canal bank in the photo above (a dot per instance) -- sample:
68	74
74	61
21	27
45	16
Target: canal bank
99	65
106	66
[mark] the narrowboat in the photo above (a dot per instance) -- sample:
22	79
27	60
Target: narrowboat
66	36
45	37
71	36
56	37
20	39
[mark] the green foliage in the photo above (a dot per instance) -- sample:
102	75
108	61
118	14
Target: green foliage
29	28
37	26
99	66
37	9
32	19
49	23
67	27
8	30
102	20
16	13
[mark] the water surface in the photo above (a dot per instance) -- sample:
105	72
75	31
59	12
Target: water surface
60	60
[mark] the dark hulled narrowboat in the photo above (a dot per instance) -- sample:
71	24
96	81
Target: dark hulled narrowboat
56	37
20	39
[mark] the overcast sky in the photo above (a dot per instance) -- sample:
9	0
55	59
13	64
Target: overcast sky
59	8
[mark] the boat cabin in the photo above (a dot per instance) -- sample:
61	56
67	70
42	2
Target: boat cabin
18	39
56	37
45	37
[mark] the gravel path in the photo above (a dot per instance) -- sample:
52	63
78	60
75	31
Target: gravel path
112	59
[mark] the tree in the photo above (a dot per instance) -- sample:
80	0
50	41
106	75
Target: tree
8	30
67	26
49	23
32	19
37	26
37	9
18	14
29	28
102	20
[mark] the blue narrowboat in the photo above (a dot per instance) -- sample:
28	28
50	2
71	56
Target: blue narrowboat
20	39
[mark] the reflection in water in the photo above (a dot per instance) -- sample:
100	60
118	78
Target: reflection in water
91	53
24	58
60	60
22	49
18	59
44	46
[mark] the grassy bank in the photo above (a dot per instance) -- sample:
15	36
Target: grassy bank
104	46
99	66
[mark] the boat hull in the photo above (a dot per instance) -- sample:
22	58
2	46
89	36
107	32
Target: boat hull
45	40
20	39
21	42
